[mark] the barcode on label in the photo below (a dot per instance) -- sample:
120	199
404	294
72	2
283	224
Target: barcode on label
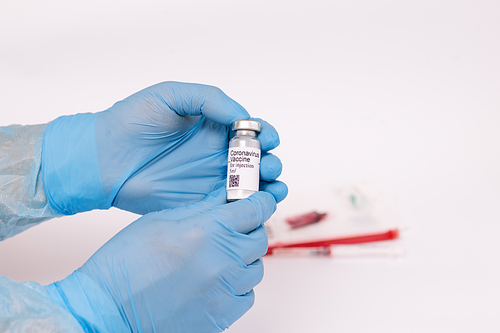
234	181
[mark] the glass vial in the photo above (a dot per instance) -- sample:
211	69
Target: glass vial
243	163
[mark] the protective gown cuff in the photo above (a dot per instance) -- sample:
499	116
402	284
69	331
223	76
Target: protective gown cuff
23	202
86	301
27	307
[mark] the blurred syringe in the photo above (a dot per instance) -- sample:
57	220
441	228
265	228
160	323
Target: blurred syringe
391	251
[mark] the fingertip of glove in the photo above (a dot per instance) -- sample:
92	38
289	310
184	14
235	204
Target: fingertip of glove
268	135
270	167
277	189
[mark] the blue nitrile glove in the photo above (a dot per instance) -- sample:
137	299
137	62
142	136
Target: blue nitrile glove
163	147
188	269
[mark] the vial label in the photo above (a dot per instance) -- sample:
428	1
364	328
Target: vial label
243	169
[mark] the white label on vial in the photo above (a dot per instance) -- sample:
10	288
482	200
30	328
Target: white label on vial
243	168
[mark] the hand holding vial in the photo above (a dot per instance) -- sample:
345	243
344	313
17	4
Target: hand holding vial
160	148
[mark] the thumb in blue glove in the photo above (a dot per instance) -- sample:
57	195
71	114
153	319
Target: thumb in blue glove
163	147
189	269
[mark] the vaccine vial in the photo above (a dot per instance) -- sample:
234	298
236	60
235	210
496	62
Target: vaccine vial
243	163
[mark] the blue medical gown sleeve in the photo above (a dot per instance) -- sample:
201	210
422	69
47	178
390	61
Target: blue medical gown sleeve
27	307
23	202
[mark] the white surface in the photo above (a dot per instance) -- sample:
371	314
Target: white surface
405	94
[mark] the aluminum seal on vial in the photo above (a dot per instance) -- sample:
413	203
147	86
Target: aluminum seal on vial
243	165
250	125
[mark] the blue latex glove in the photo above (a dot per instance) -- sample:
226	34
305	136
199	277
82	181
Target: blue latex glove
163	147
188	269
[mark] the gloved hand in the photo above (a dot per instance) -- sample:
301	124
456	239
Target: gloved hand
163	147
188	269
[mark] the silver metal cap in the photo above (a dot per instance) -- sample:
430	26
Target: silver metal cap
246	125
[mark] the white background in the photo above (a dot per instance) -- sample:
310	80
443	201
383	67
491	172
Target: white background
405	94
